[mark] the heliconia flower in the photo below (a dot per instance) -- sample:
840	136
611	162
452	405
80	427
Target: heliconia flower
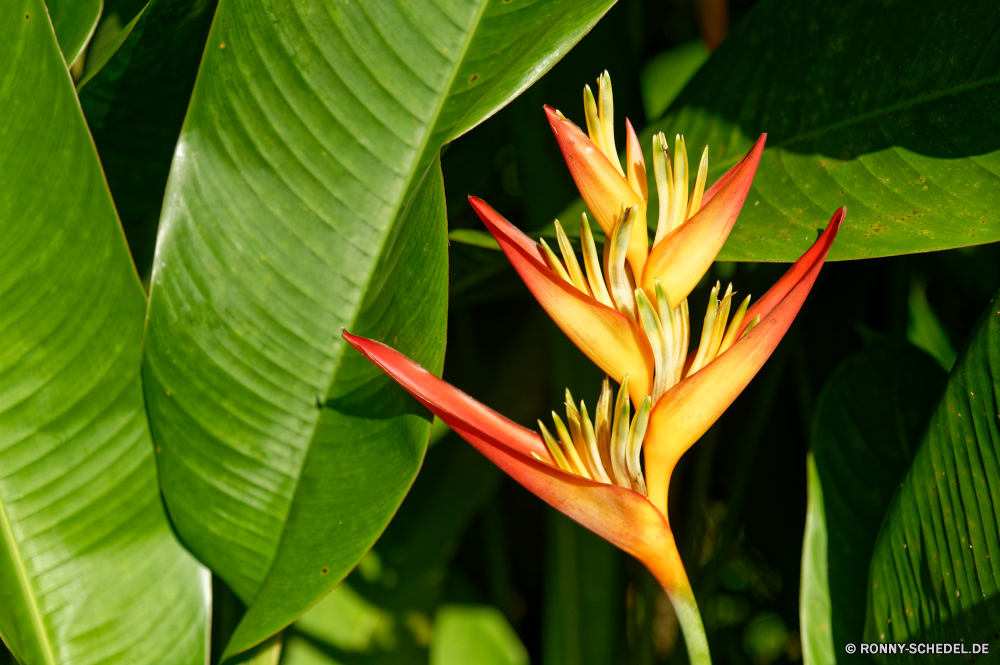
691	226
599	309
591	467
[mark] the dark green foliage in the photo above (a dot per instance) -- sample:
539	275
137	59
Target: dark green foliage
887	107
135	105
869	420
933	576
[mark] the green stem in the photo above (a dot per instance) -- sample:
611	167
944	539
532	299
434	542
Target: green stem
669	572
694	630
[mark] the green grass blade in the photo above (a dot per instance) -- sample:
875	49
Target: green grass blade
814	593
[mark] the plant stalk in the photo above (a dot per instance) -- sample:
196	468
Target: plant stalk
669	572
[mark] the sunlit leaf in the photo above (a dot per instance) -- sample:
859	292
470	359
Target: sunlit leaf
469	634
305	197
266	653
346	620
90	571
665	75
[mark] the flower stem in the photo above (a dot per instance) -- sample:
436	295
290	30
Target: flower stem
669	572
694	631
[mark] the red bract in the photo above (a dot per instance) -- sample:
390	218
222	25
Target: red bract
631	317
625	518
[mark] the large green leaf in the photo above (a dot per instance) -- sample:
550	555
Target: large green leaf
295	208
862	108
74	22
382	614
326	509
89	568
935	568
135	106
868	421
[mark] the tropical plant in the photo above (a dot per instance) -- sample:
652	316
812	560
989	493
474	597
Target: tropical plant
215	213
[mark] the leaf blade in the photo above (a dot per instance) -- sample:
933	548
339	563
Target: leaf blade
908	145
665	75
932	572
74	22
814	600
307	135
475	634
90	567
868	422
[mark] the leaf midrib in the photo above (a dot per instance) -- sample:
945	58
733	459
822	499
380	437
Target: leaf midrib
25	584
399	205
412	172
812	134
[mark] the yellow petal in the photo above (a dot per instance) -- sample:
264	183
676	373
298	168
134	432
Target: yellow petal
681	259
636	162
569	256
699	185
606	108
595	274
594	128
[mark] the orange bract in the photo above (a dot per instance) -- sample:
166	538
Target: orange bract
631	317
622	516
